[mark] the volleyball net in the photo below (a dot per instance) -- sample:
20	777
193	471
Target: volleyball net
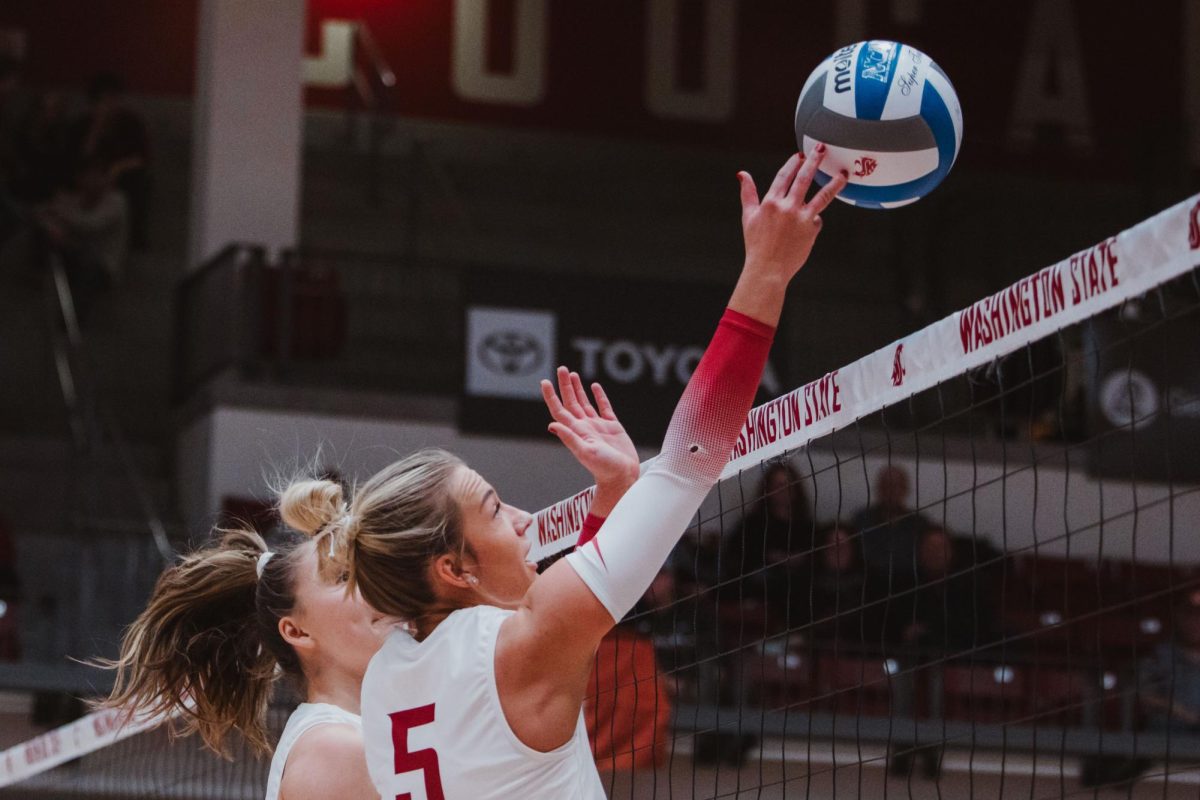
972	555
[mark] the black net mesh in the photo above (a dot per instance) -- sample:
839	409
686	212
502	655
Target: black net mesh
155	764
990	589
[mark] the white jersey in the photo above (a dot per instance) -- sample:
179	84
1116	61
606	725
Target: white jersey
433	725
306	717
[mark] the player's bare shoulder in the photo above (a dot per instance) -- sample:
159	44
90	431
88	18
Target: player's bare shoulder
328	761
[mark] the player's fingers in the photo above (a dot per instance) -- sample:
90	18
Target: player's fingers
568	437
785	176
552	402
567	392
805	173
581	396
749	193
603	403
821	200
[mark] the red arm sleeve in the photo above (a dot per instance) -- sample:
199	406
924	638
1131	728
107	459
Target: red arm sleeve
714	406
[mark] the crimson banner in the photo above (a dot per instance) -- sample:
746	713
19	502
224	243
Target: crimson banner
1069	86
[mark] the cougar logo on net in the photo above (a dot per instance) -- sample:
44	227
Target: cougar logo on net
1194	228
898	370
510	353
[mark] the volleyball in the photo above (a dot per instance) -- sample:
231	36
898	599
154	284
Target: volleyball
888	116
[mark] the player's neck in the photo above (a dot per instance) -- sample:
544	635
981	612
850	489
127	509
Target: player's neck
336	689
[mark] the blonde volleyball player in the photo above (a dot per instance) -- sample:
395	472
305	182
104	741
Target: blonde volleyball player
220	624
216	630
482	697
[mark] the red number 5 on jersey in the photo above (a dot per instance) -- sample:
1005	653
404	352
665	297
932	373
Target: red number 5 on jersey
425	761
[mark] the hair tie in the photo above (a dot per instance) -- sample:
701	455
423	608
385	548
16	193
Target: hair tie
262	563
327	528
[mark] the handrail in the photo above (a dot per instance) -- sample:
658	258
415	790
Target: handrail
383	70
372	82
62	305
82	405
377	73
235	344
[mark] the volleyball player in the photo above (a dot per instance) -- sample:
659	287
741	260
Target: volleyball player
216	630
220	624
481	698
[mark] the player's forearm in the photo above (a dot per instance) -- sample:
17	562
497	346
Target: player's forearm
619	564
607	496
759	293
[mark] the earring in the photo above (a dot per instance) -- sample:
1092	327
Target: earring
471	579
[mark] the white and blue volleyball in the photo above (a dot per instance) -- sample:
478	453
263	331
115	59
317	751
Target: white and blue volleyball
887	115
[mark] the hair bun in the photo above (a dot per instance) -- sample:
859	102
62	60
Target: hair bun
308	506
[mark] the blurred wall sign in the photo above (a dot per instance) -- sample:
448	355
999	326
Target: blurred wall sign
509	350
1038	79
519	327
1143	392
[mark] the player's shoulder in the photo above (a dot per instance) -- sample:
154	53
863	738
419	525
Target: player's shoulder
468	623
327	761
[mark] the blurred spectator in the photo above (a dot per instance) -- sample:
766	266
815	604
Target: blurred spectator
695	561
10	598
12	112
1171	677
889	531
43	149
949	611
773	551
114	135
1170	696
842	610
88	227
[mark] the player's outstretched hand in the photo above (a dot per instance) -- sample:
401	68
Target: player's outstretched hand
593	434
780	228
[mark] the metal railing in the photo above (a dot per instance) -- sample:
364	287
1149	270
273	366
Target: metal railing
213	327
371	110
320	318
370	98
95	571
93	427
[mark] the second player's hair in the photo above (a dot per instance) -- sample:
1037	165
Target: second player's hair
208	645
398	522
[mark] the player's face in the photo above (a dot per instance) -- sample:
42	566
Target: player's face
342	627
497	547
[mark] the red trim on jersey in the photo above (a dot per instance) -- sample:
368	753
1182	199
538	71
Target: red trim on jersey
596	544
591	526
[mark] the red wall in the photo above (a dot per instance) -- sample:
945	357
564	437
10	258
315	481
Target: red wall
596	63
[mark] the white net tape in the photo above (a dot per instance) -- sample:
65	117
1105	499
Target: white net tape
1076	288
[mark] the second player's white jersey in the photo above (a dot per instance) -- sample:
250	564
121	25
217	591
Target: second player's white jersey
433	725
306	717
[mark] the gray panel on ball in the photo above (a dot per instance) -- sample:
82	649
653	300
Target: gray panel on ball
886	136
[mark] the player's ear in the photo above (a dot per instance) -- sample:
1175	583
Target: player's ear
448	572
295	634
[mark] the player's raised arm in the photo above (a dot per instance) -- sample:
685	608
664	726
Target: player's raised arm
544	651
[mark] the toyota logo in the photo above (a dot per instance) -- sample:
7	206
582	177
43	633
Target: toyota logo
511	353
